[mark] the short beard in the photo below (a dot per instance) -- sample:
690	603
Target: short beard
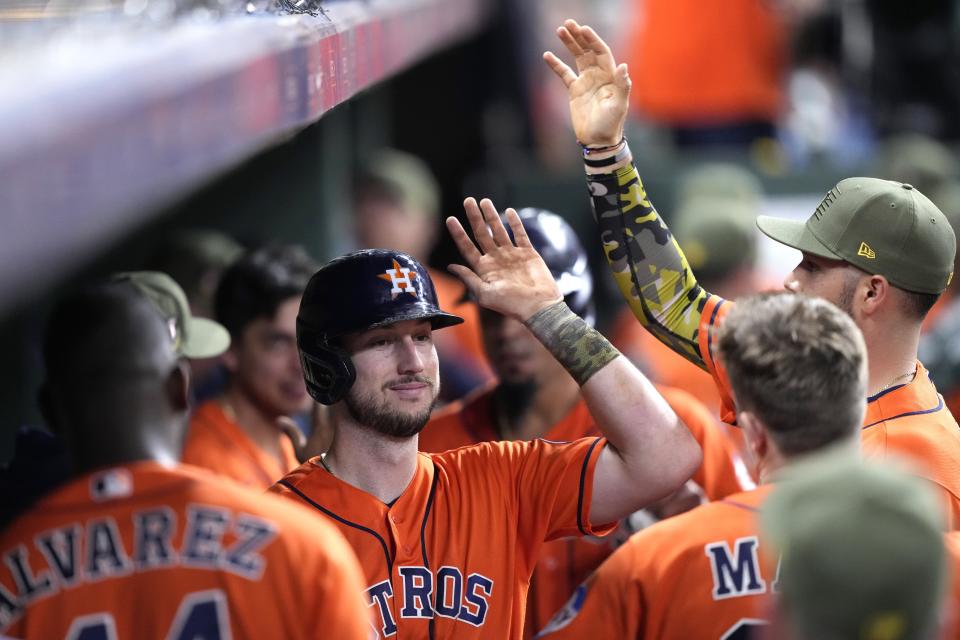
845	302
366	411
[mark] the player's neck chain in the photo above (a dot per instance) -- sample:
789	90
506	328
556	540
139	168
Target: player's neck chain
906	377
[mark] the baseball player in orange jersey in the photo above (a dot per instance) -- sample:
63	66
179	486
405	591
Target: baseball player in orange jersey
879	250
701	574
535	397
448	541
238	434
137	546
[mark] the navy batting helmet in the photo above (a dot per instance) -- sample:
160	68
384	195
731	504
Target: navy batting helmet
356	292
558	245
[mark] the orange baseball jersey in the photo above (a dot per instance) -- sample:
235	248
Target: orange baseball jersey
474	420
908	421
217	443
146	551
452	556
697	575
564	564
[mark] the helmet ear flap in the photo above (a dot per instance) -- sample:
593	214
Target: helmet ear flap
327	369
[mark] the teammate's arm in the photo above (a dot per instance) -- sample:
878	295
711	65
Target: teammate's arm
609	604
650	269
650	452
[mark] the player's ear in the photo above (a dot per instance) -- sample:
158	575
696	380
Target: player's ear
875	291
178	387
754	435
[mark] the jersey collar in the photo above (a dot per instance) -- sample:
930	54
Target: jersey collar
916	397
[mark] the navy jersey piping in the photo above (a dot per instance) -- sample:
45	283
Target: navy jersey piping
423	545
713	318
324	510
740	505
583	480
909	413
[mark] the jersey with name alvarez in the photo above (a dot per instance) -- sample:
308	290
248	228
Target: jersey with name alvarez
144	550
453	555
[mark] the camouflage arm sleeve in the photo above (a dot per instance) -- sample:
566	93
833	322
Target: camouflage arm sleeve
647	263
581	349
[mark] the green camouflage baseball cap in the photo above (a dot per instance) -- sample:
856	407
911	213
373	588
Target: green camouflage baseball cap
192	337
861	550
883	227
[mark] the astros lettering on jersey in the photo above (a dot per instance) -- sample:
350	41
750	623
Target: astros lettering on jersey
452	556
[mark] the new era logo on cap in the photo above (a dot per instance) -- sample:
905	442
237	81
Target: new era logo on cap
866	251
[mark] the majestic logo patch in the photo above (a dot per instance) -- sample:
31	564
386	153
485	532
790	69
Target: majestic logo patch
866	251
400	278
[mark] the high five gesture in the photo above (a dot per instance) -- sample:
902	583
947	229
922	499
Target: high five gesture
599	88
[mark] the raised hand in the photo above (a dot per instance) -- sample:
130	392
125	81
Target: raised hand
599	89
511	279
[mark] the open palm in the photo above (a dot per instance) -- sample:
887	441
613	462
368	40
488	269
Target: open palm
599	90
506	277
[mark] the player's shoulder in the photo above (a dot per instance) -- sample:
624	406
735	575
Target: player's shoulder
205	415
211	488
504	449
487	458
933	432
300	478
289	519
202	433
734	515
474	452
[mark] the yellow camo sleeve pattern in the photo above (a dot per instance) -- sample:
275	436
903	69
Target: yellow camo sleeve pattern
650	269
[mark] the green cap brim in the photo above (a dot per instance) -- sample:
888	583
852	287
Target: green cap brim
795	234
205	339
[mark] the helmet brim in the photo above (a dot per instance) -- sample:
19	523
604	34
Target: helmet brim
438	319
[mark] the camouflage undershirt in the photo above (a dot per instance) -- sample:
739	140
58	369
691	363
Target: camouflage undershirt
650	269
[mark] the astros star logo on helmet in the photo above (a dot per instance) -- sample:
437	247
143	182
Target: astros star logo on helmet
400	278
